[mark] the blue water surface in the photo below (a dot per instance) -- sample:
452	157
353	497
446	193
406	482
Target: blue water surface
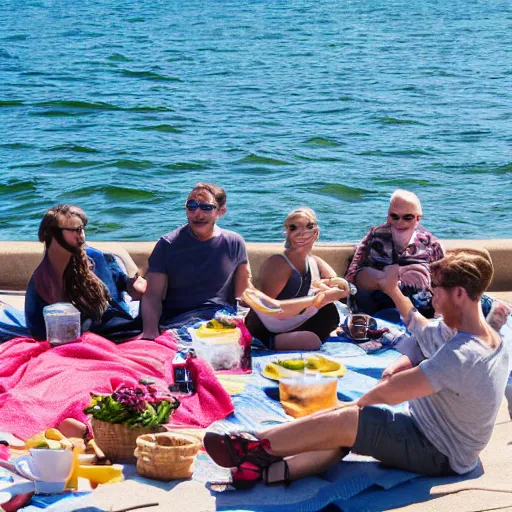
121	107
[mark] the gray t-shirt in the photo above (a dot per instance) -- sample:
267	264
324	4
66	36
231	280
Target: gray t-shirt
199	273
469	379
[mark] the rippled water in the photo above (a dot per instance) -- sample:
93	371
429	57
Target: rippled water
122	107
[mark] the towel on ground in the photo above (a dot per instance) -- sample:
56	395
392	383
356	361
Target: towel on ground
42	385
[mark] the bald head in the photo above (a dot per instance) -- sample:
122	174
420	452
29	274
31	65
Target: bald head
404	198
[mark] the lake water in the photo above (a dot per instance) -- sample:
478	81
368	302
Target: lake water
120	107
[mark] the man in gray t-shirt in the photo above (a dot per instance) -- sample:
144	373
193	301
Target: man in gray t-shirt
454	394
468	377
196	269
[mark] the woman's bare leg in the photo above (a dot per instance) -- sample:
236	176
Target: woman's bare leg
300	340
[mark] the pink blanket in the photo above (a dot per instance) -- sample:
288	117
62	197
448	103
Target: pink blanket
40	386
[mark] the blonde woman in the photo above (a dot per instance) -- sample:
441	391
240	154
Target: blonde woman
291	275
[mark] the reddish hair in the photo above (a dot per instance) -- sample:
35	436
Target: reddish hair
470	269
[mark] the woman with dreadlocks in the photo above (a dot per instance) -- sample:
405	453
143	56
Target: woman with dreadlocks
91	280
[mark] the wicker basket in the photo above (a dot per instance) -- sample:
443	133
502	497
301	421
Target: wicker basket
167	456
117	440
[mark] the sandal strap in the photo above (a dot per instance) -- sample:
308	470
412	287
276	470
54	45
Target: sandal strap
255	454
286	475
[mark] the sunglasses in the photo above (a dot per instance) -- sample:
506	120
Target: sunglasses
309	226
191	205
79	229
408	217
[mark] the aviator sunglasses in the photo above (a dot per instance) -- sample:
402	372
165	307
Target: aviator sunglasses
407	217
191	205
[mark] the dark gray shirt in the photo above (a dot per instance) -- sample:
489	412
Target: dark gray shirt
199	273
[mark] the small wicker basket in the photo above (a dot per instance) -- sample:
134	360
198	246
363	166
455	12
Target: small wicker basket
117	440
167	456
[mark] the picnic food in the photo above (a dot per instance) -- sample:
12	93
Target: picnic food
142	406
51	439
310	364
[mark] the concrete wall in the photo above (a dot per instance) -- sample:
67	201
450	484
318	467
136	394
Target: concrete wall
19	259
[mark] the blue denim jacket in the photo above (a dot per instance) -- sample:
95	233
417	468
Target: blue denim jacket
107	269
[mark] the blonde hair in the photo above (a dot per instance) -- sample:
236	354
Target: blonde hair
303	211
470	269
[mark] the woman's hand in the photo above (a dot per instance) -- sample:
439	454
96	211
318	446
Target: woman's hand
333	288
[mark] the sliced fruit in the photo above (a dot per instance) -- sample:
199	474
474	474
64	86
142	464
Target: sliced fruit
292	364
272	371
327	365
37	441
276	372
54	445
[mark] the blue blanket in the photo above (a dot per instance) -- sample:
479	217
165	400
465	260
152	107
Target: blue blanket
356	484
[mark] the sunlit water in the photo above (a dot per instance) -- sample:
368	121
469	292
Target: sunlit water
121	107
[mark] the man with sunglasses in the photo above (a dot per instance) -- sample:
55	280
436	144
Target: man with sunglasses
196	269
402	241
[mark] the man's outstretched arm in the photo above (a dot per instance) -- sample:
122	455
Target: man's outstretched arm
389	285
398	388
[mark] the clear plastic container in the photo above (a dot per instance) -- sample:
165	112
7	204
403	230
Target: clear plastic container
222	350
62	323
307	394
222	356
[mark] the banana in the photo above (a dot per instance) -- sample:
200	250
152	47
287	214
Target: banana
53	433
327	365
37	441
51	438
275	372
260	302
322	364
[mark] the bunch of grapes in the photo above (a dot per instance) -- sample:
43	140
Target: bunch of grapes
154	396
133	399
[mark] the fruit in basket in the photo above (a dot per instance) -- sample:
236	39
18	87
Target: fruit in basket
142	406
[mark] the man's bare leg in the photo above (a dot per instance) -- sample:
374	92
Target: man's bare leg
302	465
322	432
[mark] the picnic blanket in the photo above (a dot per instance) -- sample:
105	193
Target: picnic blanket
40	386
357	483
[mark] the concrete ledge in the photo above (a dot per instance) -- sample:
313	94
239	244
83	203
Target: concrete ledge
19	259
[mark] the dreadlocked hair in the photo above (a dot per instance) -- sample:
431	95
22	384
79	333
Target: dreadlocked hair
470	269
83	288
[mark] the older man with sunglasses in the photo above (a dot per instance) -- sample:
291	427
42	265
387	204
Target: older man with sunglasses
196	269
403	241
